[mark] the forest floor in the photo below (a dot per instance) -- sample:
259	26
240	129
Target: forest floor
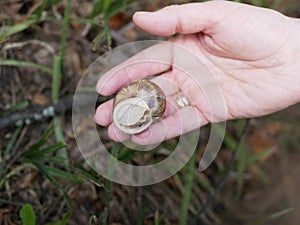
261	185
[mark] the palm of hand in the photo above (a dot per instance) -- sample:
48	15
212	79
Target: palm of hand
252	74
248	50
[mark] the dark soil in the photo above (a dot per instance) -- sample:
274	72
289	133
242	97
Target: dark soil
273	200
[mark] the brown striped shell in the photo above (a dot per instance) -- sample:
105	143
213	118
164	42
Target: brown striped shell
137	106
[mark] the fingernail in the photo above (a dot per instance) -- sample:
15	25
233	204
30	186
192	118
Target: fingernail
98	87
102	90
141	13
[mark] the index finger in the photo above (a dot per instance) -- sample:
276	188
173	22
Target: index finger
151	61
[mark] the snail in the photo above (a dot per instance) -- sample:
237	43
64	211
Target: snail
137	106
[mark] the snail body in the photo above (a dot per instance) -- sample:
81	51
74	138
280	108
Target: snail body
137	106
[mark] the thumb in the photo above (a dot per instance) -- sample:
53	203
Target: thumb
184	19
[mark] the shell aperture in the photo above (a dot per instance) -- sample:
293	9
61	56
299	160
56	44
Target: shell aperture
137	106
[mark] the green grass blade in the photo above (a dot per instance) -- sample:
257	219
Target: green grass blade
56	82
52	148
108	186
59	136
103	39
42	140
242	156
106	6
90	175
260	3
63	174
262	174
157	219
276	4
44	6
39	11
27	215
11	142
126	154
55	160
67	216
11	30
56	79
57	75
45	172
202	183
118	6
97	8
39	155
58	70
11	173
65	32
187	191
280	213
229	141
19	105
252	160
13	62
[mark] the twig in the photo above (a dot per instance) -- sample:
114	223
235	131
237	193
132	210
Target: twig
22	44
127	27
55	12
119	37
14	154
219	186
34	114
11	202
140	196
86	30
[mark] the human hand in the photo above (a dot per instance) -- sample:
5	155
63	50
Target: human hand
253	54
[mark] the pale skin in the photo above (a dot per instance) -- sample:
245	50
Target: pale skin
253	53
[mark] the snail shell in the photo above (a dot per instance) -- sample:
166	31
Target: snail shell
137	106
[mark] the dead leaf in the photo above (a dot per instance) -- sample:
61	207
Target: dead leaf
41	99
258	141
117	21
5	217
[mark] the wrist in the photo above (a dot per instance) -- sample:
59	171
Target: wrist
292	56
297	35
297	54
